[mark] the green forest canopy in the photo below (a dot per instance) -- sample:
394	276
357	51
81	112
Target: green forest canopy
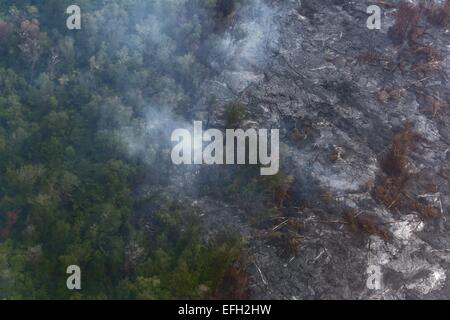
67	185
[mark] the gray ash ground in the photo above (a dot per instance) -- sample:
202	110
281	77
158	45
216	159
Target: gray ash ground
302	74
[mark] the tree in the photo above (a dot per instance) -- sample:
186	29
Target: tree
4	32
10	219
30	47
71	111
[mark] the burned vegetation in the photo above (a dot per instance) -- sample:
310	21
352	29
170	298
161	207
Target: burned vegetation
418	60
411	24
396	184
284	227
366	224
415	55
411	19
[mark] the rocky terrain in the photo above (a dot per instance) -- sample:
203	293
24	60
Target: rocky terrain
364	121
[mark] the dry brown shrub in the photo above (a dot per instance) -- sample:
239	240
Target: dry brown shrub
366	224
406	21
235	284
435	106
439	13
390	95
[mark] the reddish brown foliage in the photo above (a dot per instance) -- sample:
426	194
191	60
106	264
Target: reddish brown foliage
395	166
30	47
431	59
396	178
388	191
235	284
439	14
410	25
396	162
366	224
282	192
435	106
390	95
372	58
426	50
426	212
406	27
4	32
406	21
30	28
10	220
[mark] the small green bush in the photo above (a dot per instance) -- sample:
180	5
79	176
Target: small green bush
235	113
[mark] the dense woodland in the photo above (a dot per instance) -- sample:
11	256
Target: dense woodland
68	182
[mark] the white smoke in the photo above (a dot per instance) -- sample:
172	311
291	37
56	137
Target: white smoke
240	53
244	50
248	44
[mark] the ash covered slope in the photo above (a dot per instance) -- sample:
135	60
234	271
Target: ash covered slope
365	124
